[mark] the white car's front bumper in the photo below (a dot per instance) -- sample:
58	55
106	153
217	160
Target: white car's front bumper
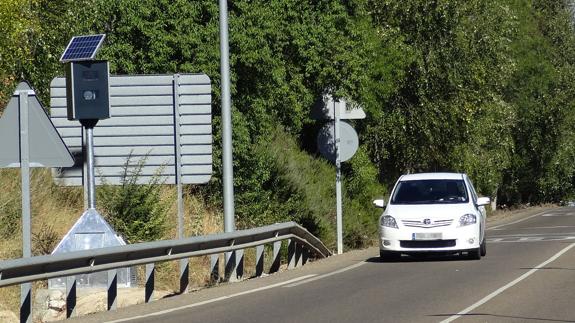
443	239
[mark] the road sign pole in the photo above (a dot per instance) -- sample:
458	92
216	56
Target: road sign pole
228	173
25	289
227	154
184	263
338	178
90	159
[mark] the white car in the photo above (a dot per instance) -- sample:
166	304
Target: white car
433	212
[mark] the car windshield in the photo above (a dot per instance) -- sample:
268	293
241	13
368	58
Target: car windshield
430	191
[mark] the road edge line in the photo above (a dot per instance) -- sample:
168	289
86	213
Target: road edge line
509	285
301	282
213	300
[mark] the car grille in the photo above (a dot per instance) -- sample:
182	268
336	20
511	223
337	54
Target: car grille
427	244
421	224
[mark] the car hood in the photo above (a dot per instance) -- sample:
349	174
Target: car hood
434	211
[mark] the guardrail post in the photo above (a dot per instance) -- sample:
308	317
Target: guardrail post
305	256
234	265
184	275
26	303
259	260
291	254
214	268
276	262
112	289
70	296
298	255
150	276
240	264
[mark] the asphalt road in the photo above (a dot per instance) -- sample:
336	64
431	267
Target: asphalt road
528	275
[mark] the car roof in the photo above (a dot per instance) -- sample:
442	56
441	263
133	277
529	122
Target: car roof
422	176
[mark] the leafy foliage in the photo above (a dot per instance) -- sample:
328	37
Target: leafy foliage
134	209
455	62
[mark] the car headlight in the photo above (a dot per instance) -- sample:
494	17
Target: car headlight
388	221
467	219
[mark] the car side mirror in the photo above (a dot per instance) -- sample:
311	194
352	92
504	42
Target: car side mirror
380	203
481	201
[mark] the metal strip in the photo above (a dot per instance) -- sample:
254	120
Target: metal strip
291	254
70	296
184	264
150	276
338	193
25	289
259	260
112	289
214	268
276	262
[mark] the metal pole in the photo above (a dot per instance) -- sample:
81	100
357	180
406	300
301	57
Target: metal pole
228	172
227	154
338	179
25	289
179	186
85	169
184	263
91	178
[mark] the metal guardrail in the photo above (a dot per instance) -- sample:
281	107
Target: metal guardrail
302	243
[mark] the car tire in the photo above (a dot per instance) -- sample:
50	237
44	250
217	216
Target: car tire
483	248
474	254
389	256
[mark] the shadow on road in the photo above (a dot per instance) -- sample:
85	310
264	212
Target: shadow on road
421	258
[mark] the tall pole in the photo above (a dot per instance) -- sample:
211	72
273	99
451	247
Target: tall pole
338	197
25	289
228	172
233	260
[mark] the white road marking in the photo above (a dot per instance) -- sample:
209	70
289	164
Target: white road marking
212	300
534	239
531	239
509	285
521	235
553	227
527	218
326	275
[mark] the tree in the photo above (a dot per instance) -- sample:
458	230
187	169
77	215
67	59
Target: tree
456	59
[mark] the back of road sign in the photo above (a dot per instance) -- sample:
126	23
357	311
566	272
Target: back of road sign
46	146
160	124
349	142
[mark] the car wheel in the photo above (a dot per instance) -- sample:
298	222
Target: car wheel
387	256
483	248
474	254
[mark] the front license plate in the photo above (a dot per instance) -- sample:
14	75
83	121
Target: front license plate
426	236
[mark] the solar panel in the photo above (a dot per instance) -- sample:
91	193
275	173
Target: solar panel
82	48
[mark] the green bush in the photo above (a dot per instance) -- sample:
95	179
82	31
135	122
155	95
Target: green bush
136	211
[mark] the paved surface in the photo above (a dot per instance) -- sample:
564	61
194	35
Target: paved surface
528	275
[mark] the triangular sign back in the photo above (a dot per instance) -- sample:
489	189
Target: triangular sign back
47	149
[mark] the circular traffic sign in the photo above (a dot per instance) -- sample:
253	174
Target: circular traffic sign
349	141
